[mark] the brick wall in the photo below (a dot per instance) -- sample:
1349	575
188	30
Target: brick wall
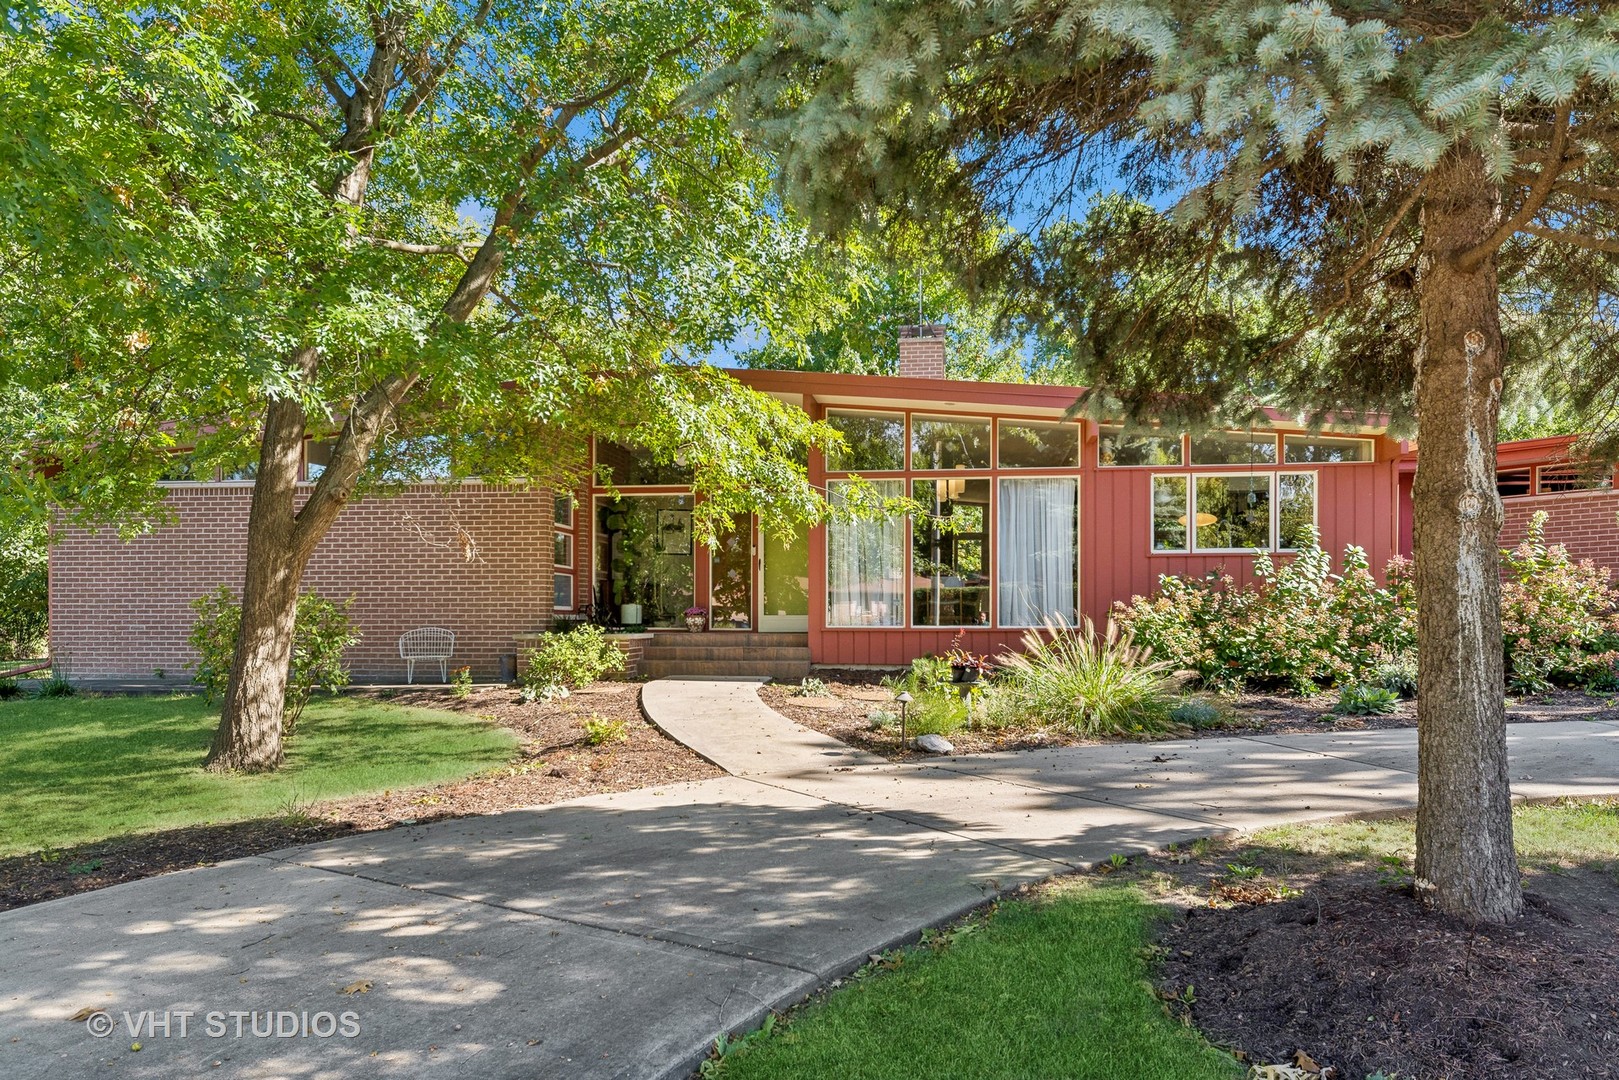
1582	521
121	609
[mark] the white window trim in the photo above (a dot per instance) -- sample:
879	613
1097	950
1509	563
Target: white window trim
1370	443
1152	484
1315	504
1193	476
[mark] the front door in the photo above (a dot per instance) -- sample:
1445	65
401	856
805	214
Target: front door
784	583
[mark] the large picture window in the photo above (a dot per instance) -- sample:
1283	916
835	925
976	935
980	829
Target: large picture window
1038	543
1222	512
865	561
949	545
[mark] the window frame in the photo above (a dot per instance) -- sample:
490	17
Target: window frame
1182	438
1192	476
1243	435
989	540
1364	440
1013	476
904	418
991	443
1077	426
904	482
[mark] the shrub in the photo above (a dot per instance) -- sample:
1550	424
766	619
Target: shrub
54	687
9	689
322	630
1300	628
809	686
461	682
1365	701
571	658
1558	621
599	731
1397	674
1196	712
1091	685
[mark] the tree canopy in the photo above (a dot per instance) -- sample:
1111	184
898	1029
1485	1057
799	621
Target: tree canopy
1290	145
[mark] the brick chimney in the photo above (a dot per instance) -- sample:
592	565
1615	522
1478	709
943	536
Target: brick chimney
921	351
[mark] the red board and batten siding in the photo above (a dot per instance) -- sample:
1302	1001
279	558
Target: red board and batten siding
1356	504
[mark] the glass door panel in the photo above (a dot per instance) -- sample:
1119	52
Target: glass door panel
731	583
644	558
786	584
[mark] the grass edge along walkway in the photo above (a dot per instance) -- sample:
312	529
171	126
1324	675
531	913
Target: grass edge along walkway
1050	984
83	769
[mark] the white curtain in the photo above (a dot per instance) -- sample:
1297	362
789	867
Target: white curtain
1039	546
865	563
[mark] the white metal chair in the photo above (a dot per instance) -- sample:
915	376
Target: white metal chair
427	643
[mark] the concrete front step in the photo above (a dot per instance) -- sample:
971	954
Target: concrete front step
726	637
780	670
729	652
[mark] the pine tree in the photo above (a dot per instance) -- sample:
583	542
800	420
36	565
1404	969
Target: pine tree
1423	189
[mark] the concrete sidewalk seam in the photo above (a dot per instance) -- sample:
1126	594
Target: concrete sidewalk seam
1270	740
569	920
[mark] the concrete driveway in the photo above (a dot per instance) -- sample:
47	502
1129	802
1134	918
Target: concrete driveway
616	936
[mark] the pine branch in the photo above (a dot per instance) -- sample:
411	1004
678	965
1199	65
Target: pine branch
1573	239
1539	192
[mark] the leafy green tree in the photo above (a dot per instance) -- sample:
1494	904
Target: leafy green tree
1396	177
449	239
23	587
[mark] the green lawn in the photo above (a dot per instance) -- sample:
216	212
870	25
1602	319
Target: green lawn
1051	988
1055	987
78	769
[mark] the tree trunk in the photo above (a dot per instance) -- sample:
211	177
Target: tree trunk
1466	865
249	733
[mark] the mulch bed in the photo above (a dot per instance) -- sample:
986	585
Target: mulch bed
553	763
1360	978
854	694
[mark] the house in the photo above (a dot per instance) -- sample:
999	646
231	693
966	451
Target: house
1030	516
1542	474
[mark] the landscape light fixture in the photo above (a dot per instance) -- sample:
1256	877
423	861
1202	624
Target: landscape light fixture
904	700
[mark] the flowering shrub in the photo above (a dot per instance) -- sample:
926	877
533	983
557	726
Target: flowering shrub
1301	628
1559	618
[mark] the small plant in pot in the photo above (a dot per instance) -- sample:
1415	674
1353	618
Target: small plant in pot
696	619
966	666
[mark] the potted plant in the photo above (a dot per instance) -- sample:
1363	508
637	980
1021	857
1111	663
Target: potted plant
696	619
965	666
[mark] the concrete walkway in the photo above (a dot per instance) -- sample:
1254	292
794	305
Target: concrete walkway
616	936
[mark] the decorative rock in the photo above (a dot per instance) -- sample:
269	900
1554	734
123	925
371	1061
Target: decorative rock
934	744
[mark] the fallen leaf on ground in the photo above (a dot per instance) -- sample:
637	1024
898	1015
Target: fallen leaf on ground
361	987
86	1013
